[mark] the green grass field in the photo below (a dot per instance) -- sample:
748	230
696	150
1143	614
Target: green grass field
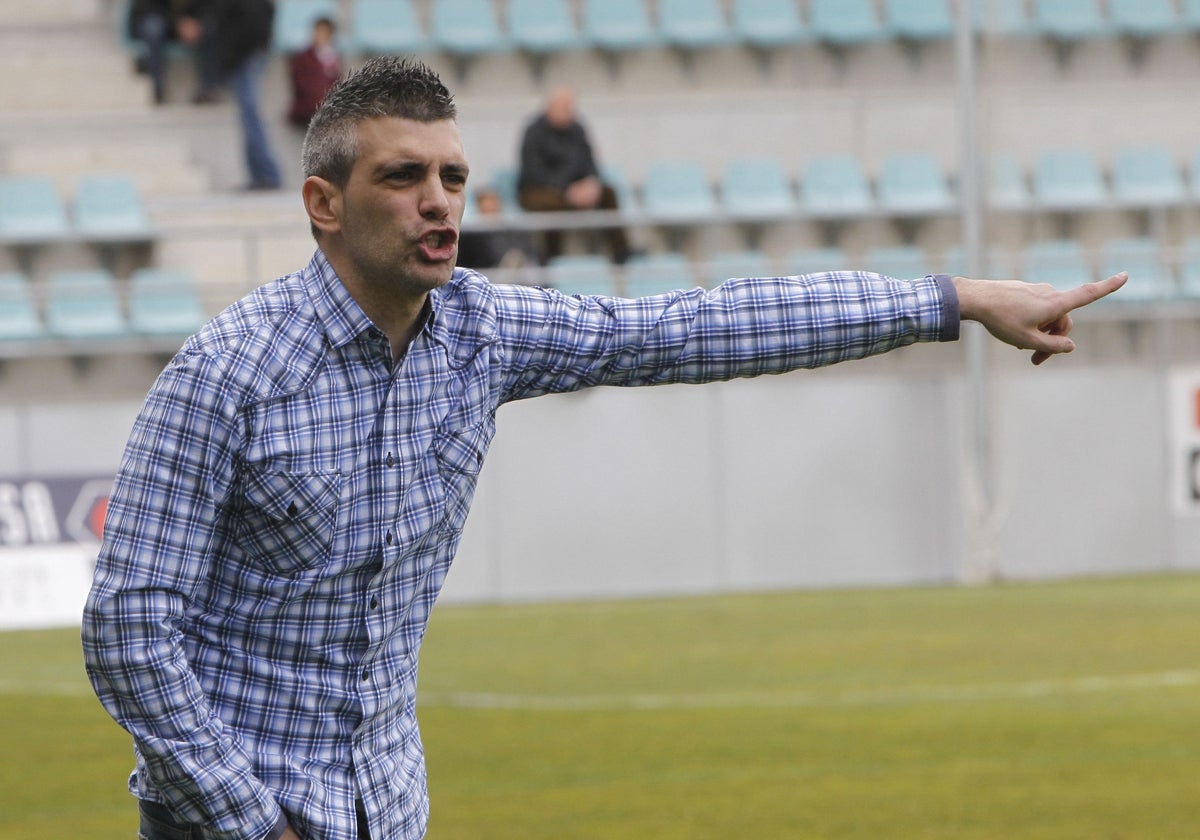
1053	710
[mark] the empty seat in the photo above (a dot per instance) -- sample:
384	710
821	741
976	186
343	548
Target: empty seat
1006	185
82	305
387	27
677	190
726	265
466	28
19	319
1008	18
652	274
902	261
542	26
1189	268
998	263
504	182
768	23
581	274
618	25
1143	18
30	209
1190	14
913	184
814	260
1149	273
1147	175
919	20
835	186
757	188
845	22
1068	179
294	21
164	302
1069	20
693	24
1062	263
109	206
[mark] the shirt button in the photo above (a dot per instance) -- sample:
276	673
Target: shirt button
366	674
391	462
374	603
389	537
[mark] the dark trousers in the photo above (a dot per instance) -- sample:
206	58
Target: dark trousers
549	199
158	823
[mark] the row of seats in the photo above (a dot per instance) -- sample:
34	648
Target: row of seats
909	184
1155	273
90	305
102	207
469	27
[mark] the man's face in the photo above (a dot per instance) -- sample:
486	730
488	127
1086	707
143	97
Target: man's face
403	205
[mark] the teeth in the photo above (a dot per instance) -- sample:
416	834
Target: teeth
434	240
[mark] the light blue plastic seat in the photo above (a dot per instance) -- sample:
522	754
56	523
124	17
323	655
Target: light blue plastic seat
109	206
1062	263
1066	179
1004	18
1007	188
913	184
998	263
845	22
19	318
387	27
618	25
1070	20
581	274
164	302
757	188
693	24
799	261
614	176
1189	268
678	190
652	274
1150	276
726	265
294	19
466	28
919	20
30	209
1144	18
82	305
1190	15
767	24
835	185
542	27
1147	175
905	262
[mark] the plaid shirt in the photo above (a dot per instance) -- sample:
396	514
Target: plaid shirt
289	503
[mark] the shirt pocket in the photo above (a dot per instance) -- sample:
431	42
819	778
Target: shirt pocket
288	519
459	455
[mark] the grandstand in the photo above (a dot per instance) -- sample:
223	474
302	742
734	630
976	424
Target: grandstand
812	130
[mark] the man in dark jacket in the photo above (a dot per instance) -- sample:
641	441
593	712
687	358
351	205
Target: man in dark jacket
559	172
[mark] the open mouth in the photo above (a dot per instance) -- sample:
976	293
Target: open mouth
439	245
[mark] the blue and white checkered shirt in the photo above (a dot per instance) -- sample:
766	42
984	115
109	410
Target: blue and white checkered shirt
289	503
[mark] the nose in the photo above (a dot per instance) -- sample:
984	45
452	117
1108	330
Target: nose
435	204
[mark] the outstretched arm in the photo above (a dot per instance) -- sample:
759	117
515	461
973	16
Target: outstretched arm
1029	316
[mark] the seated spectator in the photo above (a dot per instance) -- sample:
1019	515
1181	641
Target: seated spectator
495	247
559	171
314	71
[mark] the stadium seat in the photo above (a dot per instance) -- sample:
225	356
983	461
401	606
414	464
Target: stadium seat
678	190
1070	20
31	210
504	181
1006	18
815	260
1190	15
109	206
919	20
902	261
1150	276
1066	179
1062	263
845	22
618	25
163	302
612	175
1146	176
1189	268
1006	186
542	27
693	24
756	188
766	24
997	263
652	274
581	274
387	27
1144	18
465	29
294	22
835	186
725	265
913	184
83	305
19	319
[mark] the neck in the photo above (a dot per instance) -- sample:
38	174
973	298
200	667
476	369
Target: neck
399	314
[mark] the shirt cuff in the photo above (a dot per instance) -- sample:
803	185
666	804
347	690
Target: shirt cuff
950	314
281	825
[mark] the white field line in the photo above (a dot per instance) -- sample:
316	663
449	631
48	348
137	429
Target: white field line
898	695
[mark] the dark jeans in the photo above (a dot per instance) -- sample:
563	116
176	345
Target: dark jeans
157	823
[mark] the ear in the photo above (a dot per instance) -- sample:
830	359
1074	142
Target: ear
323	202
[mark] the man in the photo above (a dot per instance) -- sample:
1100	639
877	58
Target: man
313	70
559	172
296	483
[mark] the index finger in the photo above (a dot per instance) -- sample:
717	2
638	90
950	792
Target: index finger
1091	292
